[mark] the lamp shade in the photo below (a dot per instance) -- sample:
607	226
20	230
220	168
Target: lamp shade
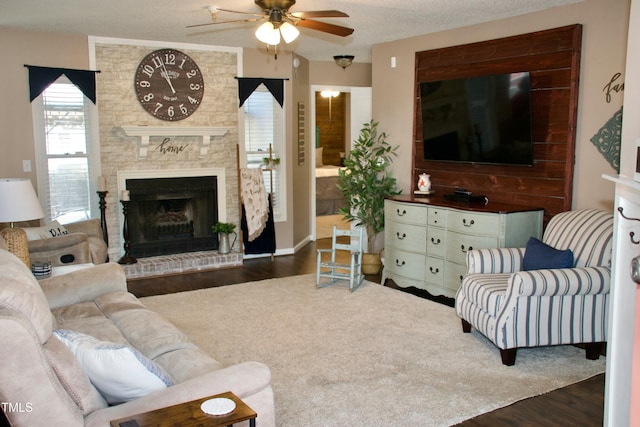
268	34
289	32
18	201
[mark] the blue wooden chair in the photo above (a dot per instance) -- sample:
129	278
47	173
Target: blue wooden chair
334	267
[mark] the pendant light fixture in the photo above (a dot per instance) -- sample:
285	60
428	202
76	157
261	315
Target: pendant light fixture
343	60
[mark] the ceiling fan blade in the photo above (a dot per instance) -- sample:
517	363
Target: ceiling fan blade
224	22
236	11
325	27
320	14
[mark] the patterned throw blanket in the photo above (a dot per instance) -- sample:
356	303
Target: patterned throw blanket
254	198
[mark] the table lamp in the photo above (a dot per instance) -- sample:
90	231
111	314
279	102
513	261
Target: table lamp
18	202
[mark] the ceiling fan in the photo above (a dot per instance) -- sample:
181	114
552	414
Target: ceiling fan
282	23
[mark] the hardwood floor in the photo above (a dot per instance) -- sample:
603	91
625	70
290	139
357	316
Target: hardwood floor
303	262
580	404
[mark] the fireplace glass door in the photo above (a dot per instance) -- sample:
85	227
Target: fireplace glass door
172	215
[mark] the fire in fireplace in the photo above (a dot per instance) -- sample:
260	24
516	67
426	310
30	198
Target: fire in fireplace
172	215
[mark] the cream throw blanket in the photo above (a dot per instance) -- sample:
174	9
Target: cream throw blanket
254	198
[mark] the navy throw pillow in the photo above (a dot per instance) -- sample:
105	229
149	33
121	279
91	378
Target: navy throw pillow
540	256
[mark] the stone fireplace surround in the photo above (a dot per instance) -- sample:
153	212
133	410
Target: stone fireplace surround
132	140
140	159
178	263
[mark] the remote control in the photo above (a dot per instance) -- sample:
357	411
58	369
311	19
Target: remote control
463	191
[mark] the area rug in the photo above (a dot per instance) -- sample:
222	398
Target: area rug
374	357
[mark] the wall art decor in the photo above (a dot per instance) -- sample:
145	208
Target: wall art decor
607	140
300	133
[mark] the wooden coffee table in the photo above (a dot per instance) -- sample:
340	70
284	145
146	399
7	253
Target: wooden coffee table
189	414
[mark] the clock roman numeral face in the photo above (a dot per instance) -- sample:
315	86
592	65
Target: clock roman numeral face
169	85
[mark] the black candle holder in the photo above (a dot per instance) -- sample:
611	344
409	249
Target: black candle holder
103	219
127	258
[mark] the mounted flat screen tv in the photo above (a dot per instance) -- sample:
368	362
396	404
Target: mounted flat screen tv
483	119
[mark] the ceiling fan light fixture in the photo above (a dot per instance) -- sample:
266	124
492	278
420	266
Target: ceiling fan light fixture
289	32
343	60
268	34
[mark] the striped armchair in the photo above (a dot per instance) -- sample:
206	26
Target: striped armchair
515	308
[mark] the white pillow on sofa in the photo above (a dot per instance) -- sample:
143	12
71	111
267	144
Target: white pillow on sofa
120	373
52	229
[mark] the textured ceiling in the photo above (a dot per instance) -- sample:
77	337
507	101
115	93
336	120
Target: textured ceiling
374	21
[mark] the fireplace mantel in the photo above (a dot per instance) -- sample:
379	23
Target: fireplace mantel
144	133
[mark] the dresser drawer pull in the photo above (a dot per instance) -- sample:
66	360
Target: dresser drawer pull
470	248
400	237
434	270
403	213
435	241
467	224
399	264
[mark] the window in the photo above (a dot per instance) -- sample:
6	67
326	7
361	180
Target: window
264	131
63	143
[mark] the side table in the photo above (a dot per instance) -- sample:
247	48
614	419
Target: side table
189	414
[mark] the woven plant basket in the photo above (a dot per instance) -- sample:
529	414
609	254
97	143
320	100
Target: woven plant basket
371	263
17	244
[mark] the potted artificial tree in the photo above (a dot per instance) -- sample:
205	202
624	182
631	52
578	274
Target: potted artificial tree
365	181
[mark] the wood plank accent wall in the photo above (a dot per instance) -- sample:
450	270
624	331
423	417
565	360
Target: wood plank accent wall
552	57
330	121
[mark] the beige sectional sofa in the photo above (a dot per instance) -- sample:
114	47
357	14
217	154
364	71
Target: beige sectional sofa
44	384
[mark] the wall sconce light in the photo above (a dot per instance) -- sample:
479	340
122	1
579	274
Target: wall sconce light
343	60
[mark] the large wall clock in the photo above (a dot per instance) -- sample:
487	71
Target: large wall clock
169	84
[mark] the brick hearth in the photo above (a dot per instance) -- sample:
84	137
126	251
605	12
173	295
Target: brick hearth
181	263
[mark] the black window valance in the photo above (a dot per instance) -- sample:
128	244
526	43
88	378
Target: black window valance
246	86
41	78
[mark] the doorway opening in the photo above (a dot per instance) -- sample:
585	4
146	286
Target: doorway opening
337	115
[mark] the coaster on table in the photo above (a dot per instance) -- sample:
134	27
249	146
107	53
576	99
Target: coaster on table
218	406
